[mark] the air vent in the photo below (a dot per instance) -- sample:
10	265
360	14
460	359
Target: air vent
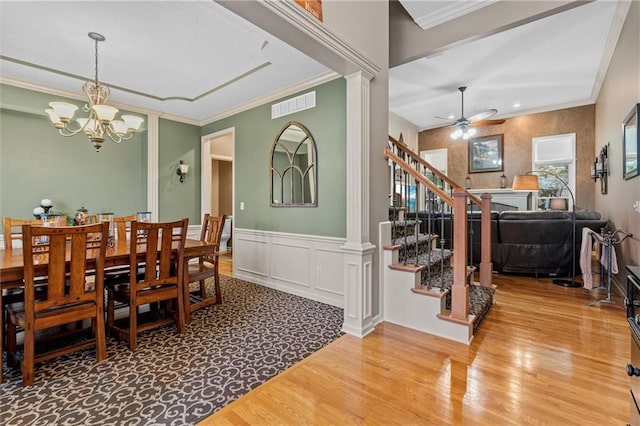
299	103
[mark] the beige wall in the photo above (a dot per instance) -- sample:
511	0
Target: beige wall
399	126
225	189
619	92
517	134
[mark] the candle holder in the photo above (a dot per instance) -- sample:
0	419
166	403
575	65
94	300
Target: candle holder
46	205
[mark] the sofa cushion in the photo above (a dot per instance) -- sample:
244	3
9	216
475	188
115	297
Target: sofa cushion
533	215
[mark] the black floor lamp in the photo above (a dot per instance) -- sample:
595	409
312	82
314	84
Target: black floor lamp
529	182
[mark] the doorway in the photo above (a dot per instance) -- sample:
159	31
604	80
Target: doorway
218	181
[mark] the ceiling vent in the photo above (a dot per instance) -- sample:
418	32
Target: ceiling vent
299	103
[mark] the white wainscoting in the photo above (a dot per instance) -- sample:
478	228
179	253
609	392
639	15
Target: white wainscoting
305	265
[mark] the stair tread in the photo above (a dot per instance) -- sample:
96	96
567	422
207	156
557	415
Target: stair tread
432	259
411	239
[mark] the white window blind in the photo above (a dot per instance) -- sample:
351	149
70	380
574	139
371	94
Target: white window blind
554	149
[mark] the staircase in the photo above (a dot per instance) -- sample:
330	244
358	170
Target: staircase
427	284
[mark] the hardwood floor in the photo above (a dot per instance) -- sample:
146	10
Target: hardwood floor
541	357
226	264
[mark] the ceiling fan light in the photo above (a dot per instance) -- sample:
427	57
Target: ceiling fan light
457	134
63	110
133	122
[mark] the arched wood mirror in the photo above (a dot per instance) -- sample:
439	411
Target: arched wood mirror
293	168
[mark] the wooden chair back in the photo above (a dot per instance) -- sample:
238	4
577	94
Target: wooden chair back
205	268
67	257
211	231
9	234
158	249
123	223
67	264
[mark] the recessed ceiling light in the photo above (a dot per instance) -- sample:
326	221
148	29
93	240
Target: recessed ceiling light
516	105
451	117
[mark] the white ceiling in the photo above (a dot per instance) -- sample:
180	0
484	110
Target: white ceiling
191	59
196	60
547	64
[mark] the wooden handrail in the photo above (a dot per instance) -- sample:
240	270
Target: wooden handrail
434	170
418	176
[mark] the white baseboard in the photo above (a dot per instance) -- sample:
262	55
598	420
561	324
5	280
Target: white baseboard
310	266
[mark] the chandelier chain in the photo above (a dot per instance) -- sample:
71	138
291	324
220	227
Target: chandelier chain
96	62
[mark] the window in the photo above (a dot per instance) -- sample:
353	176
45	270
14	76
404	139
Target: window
556	156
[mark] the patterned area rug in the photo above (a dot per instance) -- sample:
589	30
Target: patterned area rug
226	351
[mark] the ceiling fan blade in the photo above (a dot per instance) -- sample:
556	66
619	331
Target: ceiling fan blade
486	122
444	118
483	115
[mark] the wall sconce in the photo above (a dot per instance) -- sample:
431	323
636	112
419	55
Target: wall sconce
600	169
182	171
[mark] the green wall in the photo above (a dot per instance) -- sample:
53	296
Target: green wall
254	135
36	162
178	141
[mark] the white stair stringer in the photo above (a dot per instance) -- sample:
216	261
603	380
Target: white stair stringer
402	306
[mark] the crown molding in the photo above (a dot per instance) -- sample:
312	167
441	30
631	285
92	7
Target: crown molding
620	15
78	96
304	21
449	12
343	57
316	81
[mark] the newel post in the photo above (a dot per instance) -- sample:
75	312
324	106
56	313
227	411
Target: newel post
459	289
486	267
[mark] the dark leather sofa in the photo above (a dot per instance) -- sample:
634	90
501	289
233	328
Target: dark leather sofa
522	242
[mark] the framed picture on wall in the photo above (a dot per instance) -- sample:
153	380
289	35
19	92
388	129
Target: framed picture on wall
485	154
630	144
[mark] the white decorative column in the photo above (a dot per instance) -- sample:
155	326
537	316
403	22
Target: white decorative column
358	250
152	165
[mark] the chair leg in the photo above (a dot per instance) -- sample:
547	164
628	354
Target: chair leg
28	361
216	281
110	312
12	345
133	327
186	296
203	289
101	338
181	315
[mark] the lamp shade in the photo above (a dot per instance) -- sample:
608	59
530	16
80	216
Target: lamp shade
526	183
63	110
558	204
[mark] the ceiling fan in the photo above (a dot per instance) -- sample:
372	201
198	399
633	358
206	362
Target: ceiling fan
463	124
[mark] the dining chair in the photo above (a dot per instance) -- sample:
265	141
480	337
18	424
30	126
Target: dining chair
72	260
123	224
206	267
11	234
12	231
160	253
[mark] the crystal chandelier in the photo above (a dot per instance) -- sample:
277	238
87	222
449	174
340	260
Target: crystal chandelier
100	121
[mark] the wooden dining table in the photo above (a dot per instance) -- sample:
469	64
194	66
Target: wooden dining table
12	268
